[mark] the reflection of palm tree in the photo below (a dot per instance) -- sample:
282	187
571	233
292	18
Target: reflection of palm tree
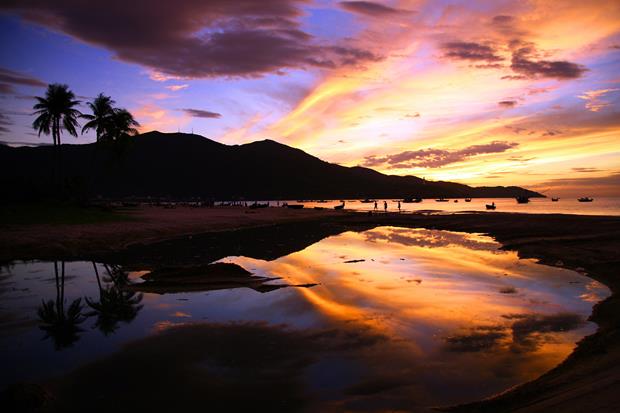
115	303
61	326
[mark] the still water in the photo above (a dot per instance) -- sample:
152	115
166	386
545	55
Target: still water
383	319
600	205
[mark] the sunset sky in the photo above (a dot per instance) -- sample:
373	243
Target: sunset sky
480	92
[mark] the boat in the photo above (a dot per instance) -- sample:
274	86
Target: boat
585	199
295	206
491	206
367	201
441	200
257	205
555	199
456	200
467	199
341	206
522	199
411	200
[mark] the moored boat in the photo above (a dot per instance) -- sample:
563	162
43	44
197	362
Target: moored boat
522	199
585	199
491	206
442	199
555	199
467	199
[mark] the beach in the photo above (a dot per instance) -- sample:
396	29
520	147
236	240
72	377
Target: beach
586	380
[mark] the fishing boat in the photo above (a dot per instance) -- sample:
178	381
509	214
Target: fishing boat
555	199
467	199
441	200
341	206
411	200
522	199
585	199
491	206
456	200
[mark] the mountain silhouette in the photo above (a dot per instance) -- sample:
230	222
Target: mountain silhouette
182	165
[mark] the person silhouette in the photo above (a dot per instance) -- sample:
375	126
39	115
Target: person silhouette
375	204
385	206
398	206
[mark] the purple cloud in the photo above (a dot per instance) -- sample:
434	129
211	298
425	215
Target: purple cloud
195	38
434	158
199	113
470	51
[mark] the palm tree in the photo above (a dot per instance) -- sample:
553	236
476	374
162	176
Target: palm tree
122	124
56	111
102	108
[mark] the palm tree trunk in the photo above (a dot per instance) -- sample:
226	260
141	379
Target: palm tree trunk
98	280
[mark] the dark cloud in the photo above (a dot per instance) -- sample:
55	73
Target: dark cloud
503	20
524	62
195	38
10	77
434	158
370	8
507	103
412	115
587	170
199	113
470	51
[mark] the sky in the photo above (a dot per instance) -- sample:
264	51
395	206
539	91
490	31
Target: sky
484	93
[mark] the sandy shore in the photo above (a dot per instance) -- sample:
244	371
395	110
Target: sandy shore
585	381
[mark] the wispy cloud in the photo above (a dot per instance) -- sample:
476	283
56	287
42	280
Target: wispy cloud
594	101
434	158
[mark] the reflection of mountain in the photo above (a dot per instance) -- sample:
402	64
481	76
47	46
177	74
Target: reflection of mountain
267	243
210	277
178	164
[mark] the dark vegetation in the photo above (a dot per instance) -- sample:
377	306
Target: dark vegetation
181	165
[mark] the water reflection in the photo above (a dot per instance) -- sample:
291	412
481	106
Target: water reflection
61	325
116	303
396	319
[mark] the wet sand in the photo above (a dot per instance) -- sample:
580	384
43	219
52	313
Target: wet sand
585	381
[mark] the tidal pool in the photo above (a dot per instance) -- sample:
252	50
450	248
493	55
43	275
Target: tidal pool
382	319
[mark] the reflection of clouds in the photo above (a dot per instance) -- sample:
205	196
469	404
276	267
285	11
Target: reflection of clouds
430	238
595	292
525	335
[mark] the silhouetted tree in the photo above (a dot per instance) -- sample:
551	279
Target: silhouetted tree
122	124
102	108
56	111
62	327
